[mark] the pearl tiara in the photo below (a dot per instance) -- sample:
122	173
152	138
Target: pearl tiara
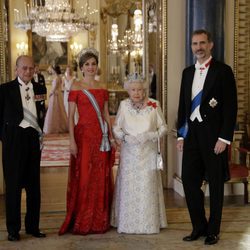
88	50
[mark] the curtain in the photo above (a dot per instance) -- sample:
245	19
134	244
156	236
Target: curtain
209	15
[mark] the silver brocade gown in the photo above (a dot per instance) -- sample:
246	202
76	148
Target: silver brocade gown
138	204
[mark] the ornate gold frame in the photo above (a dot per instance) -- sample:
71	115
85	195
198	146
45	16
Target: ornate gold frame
163	88
2	68
161	57
4	36
242	59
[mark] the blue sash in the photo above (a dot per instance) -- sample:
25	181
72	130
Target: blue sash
195	103
183	129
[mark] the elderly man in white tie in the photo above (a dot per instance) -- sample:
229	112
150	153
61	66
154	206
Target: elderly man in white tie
20	133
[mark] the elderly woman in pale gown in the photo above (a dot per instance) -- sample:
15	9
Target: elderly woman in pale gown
138	203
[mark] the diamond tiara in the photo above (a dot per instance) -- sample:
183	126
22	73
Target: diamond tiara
88	50
135	77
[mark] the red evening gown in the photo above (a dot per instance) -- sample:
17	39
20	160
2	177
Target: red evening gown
90	186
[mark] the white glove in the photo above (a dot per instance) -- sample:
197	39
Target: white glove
147	136
130	139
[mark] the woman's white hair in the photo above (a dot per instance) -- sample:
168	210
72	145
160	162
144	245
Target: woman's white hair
127	85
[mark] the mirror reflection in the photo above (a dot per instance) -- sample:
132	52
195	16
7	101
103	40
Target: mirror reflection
153	40
125	41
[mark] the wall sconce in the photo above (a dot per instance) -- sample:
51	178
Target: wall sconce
22	48
75	49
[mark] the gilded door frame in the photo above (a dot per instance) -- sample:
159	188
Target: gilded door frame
4	45
242	60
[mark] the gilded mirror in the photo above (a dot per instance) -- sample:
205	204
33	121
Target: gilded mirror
154	49
124	22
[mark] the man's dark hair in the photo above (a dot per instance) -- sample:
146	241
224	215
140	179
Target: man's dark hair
57	69
202	31
85	57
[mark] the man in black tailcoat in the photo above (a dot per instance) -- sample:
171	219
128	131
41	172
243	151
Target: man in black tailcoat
206	121
21	124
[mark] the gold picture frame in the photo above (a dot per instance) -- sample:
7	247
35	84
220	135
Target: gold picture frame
4	44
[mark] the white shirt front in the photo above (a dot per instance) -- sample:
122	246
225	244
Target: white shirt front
198	84
28	101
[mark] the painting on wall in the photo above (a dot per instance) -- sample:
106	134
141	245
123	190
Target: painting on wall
48	53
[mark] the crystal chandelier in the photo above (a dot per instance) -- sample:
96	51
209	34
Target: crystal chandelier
56	20
113	43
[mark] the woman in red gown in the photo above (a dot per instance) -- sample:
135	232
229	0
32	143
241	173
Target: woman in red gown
90	184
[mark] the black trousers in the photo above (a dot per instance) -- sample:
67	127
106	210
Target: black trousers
21	165
199	163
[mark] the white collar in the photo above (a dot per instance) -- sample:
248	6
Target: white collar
203	65
23	84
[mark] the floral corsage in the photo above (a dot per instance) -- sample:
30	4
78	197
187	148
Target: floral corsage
213	102
152	104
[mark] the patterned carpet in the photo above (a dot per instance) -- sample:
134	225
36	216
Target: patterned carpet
235	234
55	151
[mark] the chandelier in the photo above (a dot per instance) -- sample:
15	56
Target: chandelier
56	19
114	43
132	40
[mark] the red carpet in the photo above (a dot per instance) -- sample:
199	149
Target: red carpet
55	151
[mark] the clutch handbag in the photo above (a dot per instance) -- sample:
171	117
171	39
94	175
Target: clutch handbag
159	163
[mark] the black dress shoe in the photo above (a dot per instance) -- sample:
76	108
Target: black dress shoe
14	237
194	236
37	234
211	239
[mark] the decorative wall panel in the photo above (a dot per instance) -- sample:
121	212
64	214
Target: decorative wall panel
242	60
4	59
